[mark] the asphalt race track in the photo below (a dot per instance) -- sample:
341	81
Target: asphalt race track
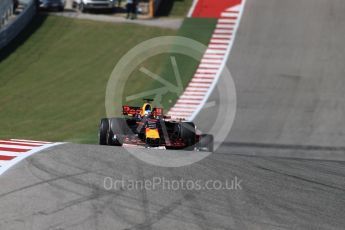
286	146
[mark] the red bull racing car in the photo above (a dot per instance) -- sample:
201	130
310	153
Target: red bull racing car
147	126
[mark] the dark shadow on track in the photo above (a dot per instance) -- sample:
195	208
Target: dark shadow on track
165	7
31	28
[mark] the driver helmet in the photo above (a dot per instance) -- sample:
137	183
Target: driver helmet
147	109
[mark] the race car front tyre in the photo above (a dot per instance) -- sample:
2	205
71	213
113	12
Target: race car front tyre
206	143
103	131
118	129
119	126
187	133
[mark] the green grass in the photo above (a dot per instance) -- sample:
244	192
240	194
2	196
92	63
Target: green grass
181	8
52	87
199	30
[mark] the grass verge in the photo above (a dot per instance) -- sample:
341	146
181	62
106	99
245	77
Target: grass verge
52	86
197	29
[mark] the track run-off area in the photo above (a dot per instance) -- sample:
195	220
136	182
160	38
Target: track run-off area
285	150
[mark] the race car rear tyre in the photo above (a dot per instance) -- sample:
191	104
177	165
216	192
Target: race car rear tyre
187	133
103	131
206	143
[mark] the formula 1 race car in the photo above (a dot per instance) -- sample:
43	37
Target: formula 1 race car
147	126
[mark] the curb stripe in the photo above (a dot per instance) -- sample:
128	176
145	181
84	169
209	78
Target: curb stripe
213	51
211	65
13	150
218	46
232	11
195	89
183	106
224	36
210	61
176	109
30	141
224	31
225	20
15	147
187	103
191	97
225	26
18	144
218	57
6	158
200	80
220	41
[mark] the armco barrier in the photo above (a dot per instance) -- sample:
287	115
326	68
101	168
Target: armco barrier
12	29
6	10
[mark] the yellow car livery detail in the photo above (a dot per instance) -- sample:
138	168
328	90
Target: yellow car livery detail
152	133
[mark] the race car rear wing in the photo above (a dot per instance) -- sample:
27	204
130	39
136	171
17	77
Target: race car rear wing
130	110
133	110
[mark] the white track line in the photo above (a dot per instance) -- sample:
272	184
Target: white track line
191	10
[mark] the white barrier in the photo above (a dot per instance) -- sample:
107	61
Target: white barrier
10	30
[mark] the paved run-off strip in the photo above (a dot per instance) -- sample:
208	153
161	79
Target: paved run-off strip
14	150
212	63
